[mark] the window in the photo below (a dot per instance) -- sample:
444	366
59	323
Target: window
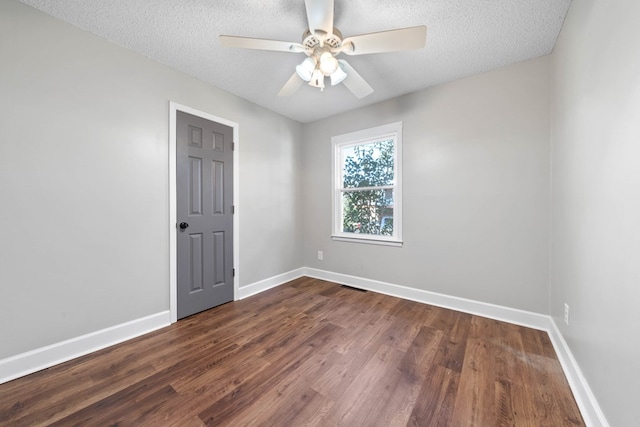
367	199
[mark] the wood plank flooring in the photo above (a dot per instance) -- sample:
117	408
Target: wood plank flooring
309	352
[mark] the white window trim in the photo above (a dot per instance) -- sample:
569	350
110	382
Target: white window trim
376	133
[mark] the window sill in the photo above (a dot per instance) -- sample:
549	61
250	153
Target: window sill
368	241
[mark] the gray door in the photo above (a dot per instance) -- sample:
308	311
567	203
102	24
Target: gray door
205	214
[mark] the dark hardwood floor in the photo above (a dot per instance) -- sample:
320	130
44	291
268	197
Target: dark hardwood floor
308	352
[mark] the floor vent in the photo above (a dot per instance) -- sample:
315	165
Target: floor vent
353	289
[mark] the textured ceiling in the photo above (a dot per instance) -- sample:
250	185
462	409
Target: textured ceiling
464	37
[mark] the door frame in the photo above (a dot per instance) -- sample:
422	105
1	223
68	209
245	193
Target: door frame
174	107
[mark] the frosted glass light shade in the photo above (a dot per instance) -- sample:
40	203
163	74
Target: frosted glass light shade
328	63
317	79
338	76
305	69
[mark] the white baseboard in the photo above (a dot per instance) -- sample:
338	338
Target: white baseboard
506	314
585	399
272	282
41	358
589	407
35	360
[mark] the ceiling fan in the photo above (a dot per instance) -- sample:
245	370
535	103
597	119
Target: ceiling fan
322	42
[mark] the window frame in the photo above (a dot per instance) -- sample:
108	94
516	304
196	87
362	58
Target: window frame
375	134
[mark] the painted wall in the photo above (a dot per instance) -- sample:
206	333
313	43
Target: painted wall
595	265
84	181
476	189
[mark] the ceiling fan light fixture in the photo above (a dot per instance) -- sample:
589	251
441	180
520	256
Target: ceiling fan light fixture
322	43
317	79
306	68
338	76
328	64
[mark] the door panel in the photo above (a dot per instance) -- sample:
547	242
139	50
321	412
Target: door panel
195	186
217	176
204	205
197	264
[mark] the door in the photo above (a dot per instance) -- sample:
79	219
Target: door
204	175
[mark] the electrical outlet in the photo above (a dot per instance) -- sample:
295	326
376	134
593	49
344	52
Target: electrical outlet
320	255
566	313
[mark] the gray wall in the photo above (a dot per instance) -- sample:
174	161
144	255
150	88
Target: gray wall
596	199
84	181
476	189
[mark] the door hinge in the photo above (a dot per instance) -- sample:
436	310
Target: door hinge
233	210
233	146
233	272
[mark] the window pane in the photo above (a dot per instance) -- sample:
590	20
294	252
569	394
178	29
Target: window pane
368	165
368	212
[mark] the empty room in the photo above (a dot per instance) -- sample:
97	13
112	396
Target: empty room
319	212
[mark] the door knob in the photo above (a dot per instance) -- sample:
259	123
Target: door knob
183	225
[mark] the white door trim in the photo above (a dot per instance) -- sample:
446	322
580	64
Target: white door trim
173	232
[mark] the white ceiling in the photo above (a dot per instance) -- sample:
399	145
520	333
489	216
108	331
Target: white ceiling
464	37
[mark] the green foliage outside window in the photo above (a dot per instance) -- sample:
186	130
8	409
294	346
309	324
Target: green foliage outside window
368	177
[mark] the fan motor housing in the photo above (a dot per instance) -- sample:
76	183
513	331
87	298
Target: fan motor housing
311	41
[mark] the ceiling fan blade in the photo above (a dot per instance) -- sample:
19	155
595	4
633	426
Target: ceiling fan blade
291	86
260	44
354	81
386	41
320	15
